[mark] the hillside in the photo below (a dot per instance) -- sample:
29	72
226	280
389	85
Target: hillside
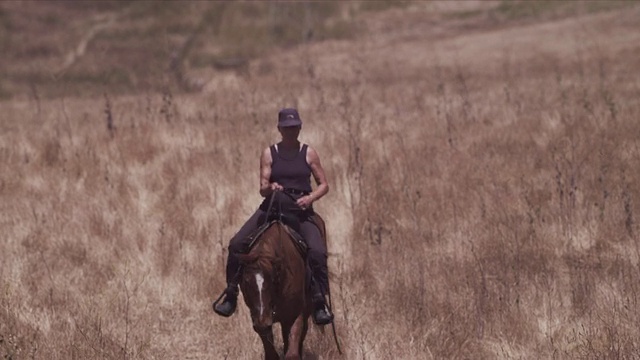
75	48
482	156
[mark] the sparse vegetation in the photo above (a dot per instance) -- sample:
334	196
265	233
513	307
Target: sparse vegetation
145	41
484	201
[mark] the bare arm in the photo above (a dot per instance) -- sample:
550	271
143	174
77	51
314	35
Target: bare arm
313	159
266	187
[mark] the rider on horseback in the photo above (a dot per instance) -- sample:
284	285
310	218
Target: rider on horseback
286	166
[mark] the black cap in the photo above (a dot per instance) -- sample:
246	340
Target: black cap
289	117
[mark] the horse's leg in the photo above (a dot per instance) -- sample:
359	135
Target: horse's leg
303	334
286	330
295	334
266	335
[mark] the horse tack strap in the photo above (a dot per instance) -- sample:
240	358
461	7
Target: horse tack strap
297	238
256	234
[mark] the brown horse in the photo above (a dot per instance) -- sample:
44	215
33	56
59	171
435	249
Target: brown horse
274	286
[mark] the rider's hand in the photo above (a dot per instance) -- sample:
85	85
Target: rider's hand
304	202
274	186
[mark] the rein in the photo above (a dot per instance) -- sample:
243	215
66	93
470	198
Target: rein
266	218
333	324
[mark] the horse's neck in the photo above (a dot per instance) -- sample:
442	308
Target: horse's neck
276	245
266	250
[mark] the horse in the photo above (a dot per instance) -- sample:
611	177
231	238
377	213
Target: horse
274	285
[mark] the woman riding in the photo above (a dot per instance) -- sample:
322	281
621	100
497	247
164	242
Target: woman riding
286	167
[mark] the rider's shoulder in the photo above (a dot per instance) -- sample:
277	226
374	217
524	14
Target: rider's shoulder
311	150
312	155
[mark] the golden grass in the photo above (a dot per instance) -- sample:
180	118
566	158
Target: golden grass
484	199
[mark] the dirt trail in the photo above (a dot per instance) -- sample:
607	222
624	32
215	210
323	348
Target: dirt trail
424	41
102	23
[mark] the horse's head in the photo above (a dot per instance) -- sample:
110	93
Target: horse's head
258	284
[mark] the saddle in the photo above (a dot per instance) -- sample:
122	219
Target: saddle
292	227
298	240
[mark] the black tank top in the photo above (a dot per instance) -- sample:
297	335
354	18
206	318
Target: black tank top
292	173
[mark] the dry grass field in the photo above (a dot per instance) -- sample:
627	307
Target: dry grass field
483	157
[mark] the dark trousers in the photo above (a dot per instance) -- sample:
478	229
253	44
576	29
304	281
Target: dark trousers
316	253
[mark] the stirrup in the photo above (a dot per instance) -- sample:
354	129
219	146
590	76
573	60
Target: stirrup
228	306
322	315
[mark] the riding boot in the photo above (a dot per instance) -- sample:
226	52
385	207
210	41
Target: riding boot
319	288
233	273
321	312
228	306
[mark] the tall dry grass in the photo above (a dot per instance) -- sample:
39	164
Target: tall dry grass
484	200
